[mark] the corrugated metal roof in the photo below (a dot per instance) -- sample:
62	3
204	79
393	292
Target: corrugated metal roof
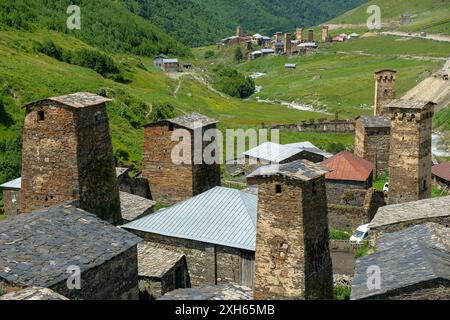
170	60
301	169
14	184
219	216
272	152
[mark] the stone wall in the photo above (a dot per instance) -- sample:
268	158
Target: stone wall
116	279
292	251
410	156
11	207
134	185
373	144
438	289
68	156
321	125
336	189
207	264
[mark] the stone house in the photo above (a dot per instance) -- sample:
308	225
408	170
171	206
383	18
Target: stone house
441	175
67	155
215	231
372	142
134	207
11	197
160	271
347	172
45	248
413	264
133	185
397	217
165	64
385	91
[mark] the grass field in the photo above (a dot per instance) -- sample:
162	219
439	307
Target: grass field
2	217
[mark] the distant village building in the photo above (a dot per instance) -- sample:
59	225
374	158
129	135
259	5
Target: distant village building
287	44
134	185
441	175
67	155
299	34
290	66
310	35
397	217
347	172
372	142
406	18
134	207
166	64
170	181
215	231
410	151
384	90
160	271
41	249
413	264
292	244
325	34
238	39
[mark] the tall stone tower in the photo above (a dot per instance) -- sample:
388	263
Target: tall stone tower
239	31
292	244
68	155
288	44
325	34
310	35
278	37
384	90
174	169
299	34
410	151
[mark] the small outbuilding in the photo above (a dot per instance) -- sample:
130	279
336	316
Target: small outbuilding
441	175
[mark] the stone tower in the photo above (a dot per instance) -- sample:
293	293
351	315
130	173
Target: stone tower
384	90
288	44
299	34
68	155
292	244
325	34
310	35
410	151
239	31
173	174
278	37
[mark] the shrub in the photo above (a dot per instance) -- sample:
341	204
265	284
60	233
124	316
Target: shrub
49	48
209	54
342	292
233	83
238	54
95	60
336	234
162	112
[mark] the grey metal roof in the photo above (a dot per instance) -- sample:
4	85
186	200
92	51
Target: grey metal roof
405	258
219	216
36	248
75	100
300	169
417	210
409	104
170	60
267	50
375	121
14	184
272	152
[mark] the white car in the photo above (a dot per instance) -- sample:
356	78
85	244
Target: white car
361	234
386	188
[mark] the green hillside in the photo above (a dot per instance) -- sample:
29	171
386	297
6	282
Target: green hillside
427	15
198	23
105	24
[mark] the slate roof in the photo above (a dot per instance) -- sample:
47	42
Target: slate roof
410	211
37	248
33	293
190	121
375	121
300	169
155	262
409	104
405	258
14	184
219	216
440	170
349	167
75	100
229	291
134	207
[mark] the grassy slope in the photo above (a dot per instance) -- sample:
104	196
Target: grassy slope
428	15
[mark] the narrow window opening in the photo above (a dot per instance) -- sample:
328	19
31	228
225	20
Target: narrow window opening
278	189
41	115
171	128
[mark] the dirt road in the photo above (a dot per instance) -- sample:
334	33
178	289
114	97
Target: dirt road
435	37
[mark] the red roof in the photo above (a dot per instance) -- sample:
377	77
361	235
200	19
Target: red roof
347	166
442	171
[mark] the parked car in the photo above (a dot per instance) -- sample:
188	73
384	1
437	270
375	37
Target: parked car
361	234
386	188
423	34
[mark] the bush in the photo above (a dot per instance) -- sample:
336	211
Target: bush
49	48
238	54
336	234
342	292
235	84
162	112
95	60
209	54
